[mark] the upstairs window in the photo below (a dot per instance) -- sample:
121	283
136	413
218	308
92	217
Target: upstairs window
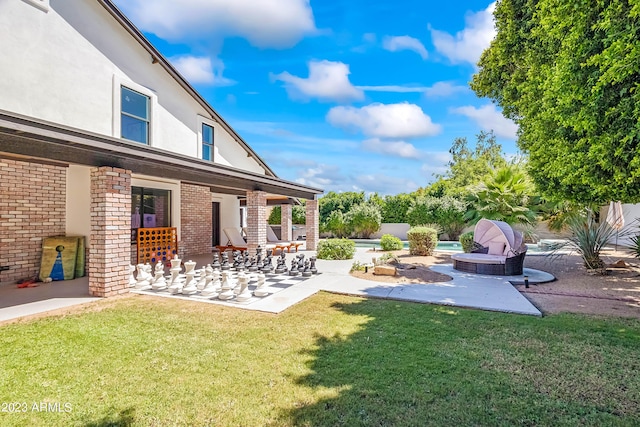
207	142
134	121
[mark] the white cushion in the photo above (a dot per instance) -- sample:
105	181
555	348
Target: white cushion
480	258
496	248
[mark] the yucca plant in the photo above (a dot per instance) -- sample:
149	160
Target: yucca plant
588	238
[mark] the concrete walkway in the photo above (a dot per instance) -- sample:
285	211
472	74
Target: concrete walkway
493	293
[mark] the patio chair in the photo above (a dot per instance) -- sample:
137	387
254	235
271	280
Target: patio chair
282	244
236	242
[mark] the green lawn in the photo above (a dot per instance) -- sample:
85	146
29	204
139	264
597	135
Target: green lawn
330	360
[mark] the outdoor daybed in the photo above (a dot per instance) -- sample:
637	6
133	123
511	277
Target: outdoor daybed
500	250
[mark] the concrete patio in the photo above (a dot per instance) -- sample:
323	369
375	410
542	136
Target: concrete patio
493	293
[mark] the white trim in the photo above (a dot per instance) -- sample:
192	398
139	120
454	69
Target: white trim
203	120
153	107
43	5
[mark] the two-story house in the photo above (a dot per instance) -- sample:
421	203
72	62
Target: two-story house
100	135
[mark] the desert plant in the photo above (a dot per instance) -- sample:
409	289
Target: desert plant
635	247
336	249
357	266
389	242
422	240
588	238
387	258
364	219
466	240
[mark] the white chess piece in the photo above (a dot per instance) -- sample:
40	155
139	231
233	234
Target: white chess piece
132	278
227	288
244	294
260	290
175	285
189	287
202	281
159	281
142	279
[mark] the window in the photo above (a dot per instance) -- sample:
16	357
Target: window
134	120
207	142
150	207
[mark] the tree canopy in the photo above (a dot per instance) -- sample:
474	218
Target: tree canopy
468	166
568	73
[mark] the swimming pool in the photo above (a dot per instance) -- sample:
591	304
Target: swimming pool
449	246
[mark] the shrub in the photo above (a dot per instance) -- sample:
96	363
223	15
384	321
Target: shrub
337	224
466	240
390	243
298	215
336	249
422	240
365	219
588	239
446	211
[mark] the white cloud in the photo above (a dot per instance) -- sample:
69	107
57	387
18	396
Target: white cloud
384	184
488	118
327	81
201	70
467	45
321	176
396	43
394	88
384	120
392	148
264	23
443	89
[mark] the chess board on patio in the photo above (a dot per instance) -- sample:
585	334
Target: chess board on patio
274	283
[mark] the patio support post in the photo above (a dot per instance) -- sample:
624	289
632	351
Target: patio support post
286	222
256	220
110	240
312	227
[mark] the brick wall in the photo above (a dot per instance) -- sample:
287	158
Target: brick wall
312	216
256	220
32	206
286	222
196	220
110	239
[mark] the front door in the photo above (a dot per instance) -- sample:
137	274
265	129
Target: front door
215	224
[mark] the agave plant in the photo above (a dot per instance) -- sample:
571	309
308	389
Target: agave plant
588	238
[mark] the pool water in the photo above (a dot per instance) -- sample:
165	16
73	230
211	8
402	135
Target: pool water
441	246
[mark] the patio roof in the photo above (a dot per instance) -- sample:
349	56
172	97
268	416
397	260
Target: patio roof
36	140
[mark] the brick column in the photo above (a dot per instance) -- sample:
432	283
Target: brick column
286	222
312	227
110	241
256	220
196	218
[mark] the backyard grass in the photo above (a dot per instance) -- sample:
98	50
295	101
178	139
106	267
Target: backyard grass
330	360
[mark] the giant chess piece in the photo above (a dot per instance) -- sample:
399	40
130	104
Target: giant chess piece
236	260
260	290
281	266
294	268
267	265
253	266
202	280
216	261
245	260
300	258
307	269
313	268
159	281
132	278
143	278
237	288
244	294
225	261
176	282
227	288
216	283
209	289
259	256
189	287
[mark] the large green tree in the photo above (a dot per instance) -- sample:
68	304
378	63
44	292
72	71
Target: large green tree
468	166
568	73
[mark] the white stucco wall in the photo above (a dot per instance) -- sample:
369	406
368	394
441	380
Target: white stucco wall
229	212
78	201
631	228
66	64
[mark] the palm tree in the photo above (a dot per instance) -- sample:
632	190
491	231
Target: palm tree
506	195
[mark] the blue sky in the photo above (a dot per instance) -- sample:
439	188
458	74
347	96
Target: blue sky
344	95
